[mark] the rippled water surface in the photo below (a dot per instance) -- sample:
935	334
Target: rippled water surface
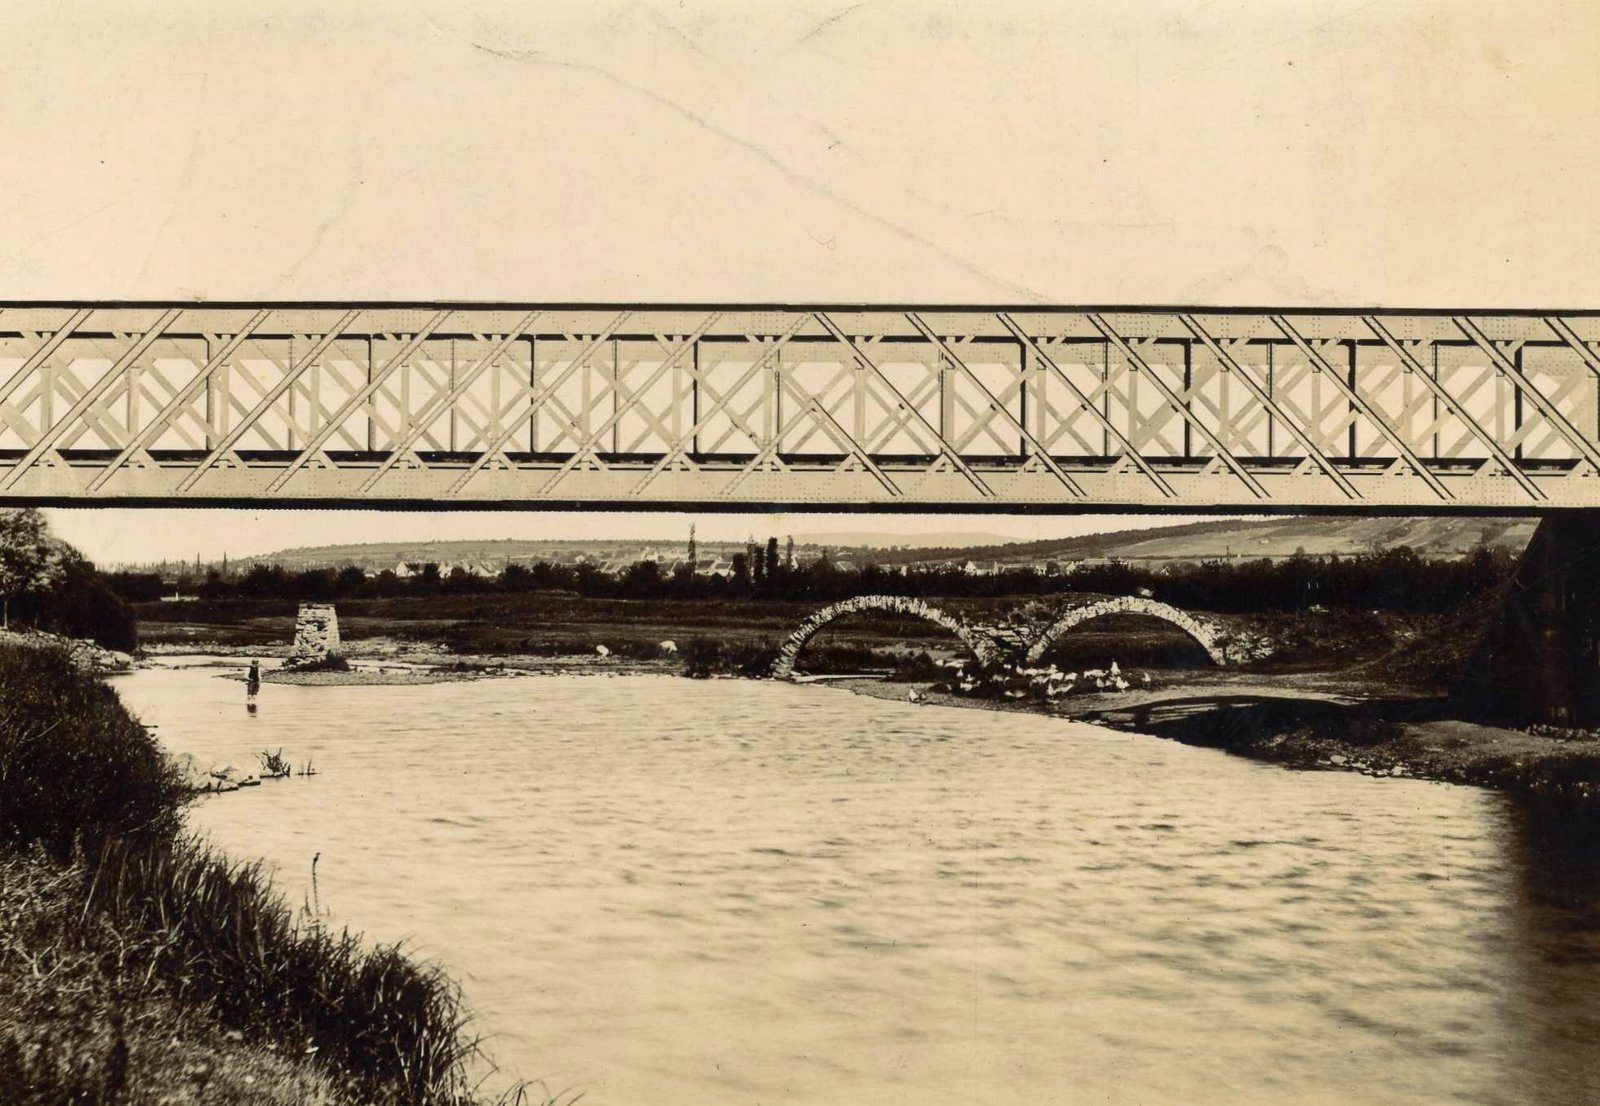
669	891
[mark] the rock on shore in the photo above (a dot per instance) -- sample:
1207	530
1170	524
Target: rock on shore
85	653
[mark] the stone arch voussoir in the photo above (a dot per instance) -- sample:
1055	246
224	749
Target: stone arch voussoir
980	645
1210	637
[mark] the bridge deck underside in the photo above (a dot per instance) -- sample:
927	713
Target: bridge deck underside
1052	409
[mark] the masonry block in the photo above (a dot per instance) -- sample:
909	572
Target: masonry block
316	635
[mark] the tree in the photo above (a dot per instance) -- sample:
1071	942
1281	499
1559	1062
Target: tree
350	580
26	560
212	588
643	579
78	603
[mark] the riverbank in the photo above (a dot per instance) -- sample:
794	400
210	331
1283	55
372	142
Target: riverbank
1350	720
1344	690
70	1031
138	967
1380	713
1319	722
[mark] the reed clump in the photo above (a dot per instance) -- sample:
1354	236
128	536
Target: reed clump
395	1027
106	898
273	766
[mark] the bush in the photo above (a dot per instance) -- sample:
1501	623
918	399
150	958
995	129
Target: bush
75	768
703	658
80	604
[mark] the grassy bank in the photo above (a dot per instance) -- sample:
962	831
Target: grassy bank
137	967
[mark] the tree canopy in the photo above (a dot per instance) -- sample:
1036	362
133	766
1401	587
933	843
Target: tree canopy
28	557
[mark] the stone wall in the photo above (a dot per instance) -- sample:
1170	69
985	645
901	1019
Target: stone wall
316	635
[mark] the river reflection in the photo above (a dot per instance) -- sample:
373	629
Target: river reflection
1554	934
668	891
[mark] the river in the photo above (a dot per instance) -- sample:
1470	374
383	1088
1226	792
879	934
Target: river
665	891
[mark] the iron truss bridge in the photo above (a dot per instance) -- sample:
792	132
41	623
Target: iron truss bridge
646	407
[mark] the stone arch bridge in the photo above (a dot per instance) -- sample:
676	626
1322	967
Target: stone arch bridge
992	644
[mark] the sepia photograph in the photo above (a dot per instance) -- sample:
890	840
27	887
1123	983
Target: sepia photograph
810	552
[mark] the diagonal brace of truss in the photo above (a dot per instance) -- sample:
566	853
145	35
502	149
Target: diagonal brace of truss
51	434
445	398
375	380
1245	377
1040	451
1546	408
720	404
1088	404
1223	452
813	408
866	363
496	445
272	395
1360	403
1564	331
42	354
675	354
1453	406
180	399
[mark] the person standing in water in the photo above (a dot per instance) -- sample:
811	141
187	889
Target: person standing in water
252	686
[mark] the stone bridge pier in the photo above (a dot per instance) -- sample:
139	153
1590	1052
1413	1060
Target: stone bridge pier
1539	657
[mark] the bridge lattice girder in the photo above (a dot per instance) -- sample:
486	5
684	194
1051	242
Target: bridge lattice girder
799	407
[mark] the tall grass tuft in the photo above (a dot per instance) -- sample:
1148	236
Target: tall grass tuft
395	1027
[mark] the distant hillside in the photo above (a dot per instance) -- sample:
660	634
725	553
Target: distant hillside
380	555
1227	538
1316	536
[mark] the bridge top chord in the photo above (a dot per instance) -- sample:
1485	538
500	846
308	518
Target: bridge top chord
800	407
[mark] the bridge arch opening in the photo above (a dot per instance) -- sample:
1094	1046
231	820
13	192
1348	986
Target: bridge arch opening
1203	634
789	652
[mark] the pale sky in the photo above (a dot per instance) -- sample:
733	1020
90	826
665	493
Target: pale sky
1271	152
